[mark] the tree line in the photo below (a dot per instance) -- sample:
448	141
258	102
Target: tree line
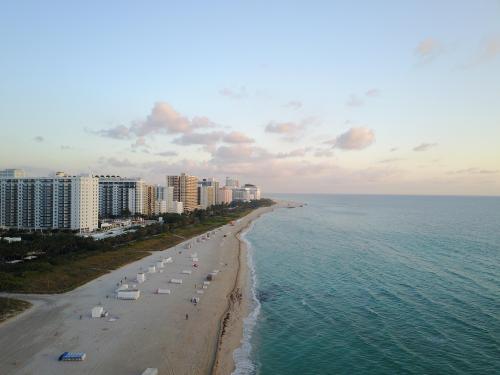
52	245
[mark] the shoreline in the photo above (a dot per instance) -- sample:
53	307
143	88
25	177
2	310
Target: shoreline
231	323
152	329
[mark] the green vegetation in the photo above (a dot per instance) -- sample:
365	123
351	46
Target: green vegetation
10	307
65	261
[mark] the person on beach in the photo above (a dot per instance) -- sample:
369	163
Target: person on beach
187	316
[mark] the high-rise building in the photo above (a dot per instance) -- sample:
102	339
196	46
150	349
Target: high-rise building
46	203
254	191
203	197
176	208
12	173
225	195
213	187
246	193
185	190
119	196
241	194
150	200
232	182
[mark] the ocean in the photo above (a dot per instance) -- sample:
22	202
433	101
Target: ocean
374	285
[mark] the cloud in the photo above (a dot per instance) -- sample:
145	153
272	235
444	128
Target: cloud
490	48
390	160
233	153
113	162
428	49
39	139
293	104
300	152
199	138
163	119
167	153
237	137
353	139
474	171
283	127
355	101
488	51
140	142
323	153
118	132
289	130
373	93
65	147
240	93
424	147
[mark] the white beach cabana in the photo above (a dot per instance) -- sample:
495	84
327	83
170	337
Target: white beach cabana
131	294
186	272
162	291
97	311
150	371
141	277
175	281
122	287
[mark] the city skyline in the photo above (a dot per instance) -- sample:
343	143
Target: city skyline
289	96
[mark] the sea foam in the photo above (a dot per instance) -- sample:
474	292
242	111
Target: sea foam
241	355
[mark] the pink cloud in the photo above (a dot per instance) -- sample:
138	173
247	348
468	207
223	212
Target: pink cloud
163	119
428	49
237	137
353	139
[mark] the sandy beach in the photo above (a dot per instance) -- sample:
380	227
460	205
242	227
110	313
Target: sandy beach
149	332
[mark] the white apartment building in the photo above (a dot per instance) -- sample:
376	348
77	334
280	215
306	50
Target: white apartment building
246	193
121	195
254	191
232	182
203	196
176	208
213	186
161	207
46	203
241	194
165	200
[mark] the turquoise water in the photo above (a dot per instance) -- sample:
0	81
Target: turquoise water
375	285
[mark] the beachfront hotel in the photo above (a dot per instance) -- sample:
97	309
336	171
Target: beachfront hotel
77	202
224	195
121	195
185	190
246	193
47	203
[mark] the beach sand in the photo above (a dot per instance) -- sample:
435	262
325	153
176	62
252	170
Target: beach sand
149	332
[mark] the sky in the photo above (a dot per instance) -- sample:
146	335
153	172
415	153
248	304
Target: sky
369	97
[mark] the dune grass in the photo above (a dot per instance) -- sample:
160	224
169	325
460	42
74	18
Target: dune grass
67	272
10	307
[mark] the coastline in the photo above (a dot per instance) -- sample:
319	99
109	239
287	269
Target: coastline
149	332
231	324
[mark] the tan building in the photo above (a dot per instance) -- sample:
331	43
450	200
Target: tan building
185	190
224	195
150	192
